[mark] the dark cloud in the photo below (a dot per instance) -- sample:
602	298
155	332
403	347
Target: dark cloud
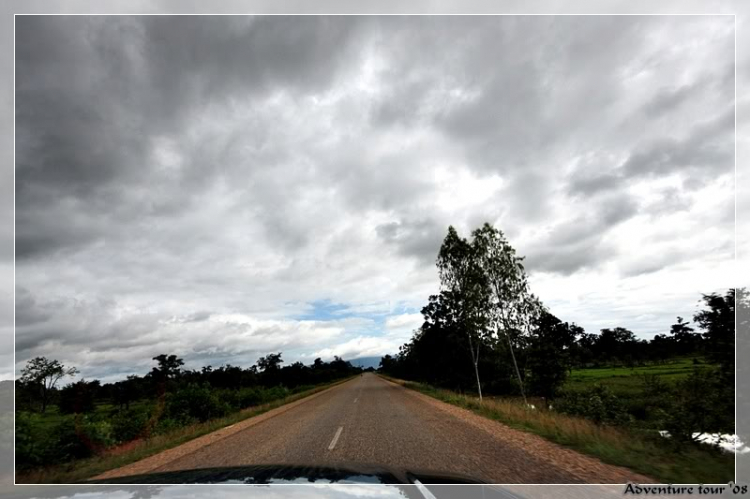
414	238
708	149
198	181
93	93
587	185
582	243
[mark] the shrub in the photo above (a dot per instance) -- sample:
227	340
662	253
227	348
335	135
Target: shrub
76	438
597	404
30	449
197	402
274	393
248	397
166	425
128	425
702	403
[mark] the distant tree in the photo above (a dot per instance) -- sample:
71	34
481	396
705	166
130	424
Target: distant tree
168	367
127	391
685	338
387	363
79	397
269	368
461	275
295	374
661	347
270	362
227	376
616	344
45	374
340	366
717	323
583	351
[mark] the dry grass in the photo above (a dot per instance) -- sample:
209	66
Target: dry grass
642	452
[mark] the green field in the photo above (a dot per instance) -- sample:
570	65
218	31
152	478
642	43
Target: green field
628	381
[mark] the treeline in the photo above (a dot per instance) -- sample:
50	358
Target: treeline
38	386
486	333
59	424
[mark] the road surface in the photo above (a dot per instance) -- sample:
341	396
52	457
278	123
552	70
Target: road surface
371	421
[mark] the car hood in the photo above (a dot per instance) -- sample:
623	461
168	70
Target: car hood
292	474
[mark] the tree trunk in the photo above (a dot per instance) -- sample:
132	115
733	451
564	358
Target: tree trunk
475	361
479	385
44	400
515	364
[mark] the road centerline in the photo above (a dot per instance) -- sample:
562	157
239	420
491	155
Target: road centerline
335	438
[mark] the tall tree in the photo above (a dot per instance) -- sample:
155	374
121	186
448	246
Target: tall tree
462	276
513	309
550	354
45	374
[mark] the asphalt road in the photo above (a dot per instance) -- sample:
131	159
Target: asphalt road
369	421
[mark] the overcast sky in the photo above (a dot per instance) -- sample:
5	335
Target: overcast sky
225	187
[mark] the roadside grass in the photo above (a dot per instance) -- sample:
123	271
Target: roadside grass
130	452
643	452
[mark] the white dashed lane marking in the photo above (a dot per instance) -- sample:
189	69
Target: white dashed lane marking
335	438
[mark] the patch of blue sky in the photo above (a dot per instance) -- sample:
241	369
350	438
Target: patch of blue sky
326	310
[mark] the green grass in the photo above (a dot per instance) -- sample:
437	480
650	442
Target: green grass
627	381
643	452
84	469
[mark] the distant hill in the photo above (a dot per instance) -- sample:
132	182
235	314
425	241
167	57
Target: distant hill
365	362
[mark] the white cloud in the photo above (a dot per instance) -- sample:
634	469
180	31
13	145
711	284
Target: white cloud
204	196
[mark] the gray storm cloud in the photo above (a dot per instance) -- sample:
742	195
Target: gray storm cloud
196	183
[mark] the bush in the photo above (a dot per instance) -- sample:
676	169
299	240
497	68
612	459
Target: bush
702	403
248	397
166	425
196	402
30	449
77	438
597	404
128	425
274	393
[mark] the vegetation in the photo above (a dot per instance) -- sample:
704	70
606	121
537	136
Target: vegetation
167	406
43	375
642	452
485	333
135	450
